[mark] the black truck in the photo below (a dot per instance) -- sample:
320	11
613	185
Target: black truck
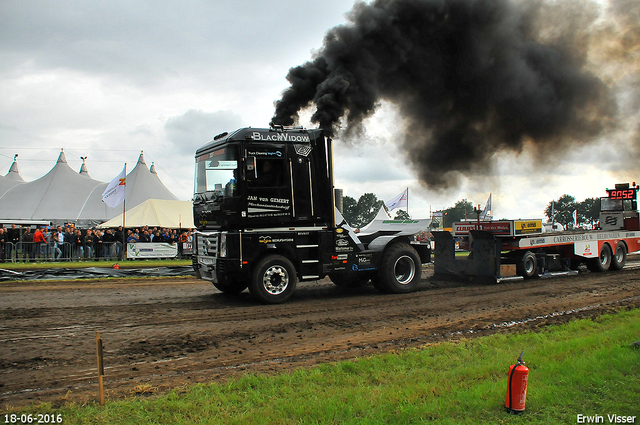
264	207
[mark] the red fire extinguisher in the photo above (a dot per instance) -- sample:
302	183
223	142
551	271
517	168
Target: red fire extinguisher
517	387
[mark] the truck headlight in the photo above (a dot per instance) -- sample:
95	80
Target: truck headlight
223	245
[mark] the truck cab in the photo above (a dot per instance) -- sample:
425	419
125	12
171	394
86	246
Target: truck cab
262	177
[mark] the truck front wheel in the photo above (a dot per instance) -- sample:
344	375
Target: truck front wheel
273	280
231	285
399	270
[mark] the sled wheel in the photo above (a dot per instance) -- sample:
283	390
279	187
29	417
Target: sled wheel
400	270
274	279
603	262
527	265
620	258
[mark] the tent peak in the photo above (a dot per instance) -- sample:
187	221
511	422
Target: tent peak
13	173
83	169
62	157
141	158
153	169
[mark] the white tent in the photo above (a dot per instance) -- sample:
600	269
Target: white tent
65	196
59	195
156	213
11	179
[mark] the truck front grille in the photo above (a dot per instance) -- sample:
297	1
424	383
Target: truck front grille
207	244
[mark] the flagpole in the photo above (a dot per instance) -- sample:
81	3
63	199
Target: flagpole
408	201
124	212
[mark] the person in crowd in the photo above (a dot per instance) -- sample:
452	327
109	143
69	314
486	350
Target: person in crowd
27	245
77	244
3	243
38	242
57	239
13	238
68	242
109	245
144	237
48	248
182	239
88	245
119	236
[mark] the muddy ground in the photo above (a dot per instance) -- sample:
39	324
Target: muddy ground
162	333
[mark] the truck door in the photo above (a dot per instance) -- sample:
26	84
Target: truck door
302	187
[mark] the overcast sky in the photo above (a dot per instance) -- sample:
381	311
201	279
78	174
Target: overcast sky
108	79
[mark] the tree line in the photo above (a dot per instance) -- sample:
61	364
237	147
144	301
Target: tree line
359	213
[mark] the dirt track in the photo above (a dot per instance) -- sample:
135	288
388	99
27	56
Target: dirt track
161	333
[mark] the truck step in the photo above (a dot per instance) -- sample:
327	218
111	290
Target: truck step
306	246
310	261
310	277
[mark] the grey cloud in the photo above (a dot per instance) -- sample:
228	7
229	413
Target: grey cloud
194	128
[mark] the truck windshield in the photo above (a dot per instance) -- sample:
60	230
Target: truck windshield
217	172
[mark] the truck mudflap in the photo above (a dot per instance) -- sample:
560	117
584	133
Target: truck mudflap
481	265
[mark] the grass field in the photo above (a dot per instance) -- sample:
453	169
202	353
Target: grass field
82	264
585	367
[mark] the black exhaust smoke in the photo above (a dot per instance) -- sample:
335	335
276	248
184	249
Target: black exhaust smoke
470	78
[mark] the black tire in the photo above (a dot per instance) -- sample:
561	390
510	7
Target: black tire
619	259
527	266
231	286
603	262
349	280
273	280
400	270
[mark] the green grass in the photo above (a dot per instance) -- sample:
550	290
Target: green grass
584	367
83	264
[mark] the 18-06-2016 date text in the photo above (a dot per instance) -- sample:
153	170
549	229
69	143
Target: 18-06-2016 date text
31	418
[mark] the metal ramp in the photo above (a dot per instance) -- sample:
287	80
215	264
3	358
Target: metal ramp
481	265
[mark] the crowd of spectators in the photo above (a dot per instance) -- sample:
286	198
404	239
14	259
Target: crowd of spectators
51	243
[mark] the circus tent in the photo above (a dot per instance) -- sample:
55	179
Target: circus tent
66	196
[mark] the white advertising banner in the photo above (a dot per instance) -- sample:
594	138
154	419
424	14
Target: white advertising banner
151	250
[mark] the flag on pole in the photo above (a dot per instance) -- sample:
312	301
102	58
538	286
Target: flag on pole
487	212
399	201
575	218
113	195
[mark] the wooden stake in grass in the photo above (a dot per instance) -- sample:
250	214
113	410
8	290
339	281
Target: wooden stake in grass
100	367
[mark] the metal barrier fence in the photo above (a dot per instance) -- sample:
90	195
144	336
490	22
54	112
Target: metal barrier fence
51	252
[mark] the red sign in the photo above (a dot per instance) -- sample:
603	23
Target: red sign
495	227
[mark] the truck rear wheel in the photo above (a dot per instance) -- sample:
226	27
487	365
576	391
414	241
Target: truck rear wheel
527	265
399	270
620	258
273	280
603	262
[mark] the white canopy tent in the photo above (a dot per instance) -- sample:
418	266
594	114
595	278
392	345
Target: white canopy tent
66	196
156	213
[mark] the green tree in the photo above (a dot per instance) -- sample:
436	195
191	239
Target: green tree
462	209
402	215
362	212
563	208
589	211
349	209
